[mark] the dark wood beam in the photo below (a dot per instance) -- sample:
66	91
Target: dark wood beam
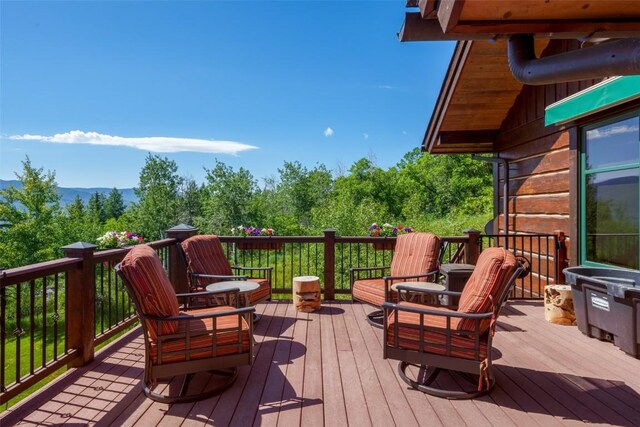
428	8
416	28
449	13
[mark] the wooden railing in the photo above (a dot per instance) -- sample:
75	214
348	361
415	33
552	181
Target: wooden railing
54	314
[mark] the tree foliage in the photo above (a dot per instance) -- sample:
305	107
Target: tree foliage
443	194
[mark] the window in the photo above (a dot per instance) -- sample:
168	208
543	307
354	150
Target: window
610	188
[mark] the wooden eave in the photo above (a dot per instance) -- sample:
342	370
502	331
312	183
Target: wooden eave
479	90
483	20
476	95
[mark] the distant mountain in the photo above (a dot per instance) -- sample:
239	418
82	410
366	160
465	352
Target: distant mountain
68	195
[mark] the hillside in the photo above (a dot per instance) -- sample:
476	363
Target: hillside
68	195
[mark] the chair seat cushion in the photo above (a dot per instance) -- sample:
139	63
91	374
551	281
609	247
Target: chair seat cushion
204	342
262	293
435	336
370	291
150	284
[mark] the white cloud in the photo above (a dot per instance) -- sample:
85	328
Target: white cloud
365	135
328	132
157	144
615	130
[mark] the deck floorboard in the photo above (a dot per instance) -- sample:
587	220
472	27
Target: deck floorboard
326	368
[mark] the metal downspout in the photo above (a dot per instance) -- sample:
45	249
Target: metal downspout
615	58
505	191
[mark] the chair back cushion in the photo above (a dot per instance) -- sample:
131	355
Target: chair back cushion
482	291
415	253
205	255
151	288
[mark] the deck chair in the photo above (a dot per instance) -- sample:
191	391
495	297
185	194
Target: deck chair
209	339
429	340
415	258
207	264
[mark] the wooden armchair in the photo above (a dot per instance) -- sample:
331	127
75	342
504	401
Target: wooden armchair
207	264
215	339
415	258
433	339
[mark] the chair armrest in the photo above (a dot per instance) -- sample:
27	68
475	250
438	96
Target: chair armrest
413	276
369	268
219	276
401	287
186	316
204	294
419	310
253	268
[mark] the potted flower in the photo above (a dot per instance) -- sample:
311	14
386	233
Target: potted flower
387	230
252	231
113	239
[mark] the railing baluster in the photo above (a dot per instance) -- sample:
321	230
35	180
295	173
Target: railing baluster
32	324
18	330
44	321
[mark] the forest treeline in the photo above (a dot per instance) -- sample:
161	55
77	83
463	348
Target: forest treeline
442	194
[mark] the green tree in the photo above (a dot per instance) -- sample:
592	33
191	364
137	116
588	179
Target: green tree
95	208
228	198
190	202
157	191
114	205
29	218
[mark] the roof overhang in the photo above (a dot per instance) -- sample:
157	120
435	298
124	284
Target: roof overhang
479	89
494	19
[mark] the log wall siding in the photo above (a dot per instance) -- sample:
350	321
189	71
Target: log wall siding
542	169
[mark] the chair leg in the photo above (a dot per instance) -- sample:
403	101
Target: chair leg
227	378
425	384
376	318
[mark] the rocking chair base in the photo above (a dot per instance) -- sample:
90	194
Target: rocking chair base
376	319
424	385
226	379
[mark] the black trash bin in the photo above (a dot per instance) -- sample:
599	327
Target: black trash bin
606	302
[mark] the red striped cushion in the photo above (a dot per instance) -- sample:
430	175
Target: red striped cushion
435	340
490	276
201	342
262	293
370	291
205	255
415	253
151	287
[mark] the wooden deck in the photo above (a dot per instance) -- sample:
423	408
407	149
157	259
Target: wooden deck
326	368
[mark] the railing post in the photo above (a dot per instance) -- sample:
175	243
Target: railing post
472	246
329	264
80	303
560	256
177	265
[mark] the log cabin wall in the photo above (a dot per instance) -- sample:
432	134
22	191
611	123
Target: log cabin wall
543	165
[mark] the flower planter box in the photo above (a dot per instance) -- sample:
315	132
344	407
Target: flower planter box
259	246
384	245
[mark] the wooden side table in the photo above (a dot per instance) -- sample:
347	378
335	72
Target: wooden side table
306	293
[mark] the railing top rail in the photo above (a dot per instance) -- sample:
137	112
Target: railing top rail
275	239
162	243
34	271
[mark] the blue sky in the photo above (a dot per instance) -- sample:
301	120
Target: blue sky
88	89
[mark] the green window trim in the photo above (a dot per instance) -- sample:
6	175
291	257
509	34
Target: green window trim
606	94
584	173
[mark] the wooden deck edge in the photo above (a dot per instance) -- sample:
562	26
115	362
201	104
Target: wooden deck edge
29	404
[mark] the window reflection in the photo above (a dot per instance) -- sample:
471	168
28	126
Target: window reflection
613	145
612	218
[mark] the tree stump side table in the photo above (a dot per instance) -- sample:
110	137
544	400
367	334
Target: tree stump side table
558	305
306	293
